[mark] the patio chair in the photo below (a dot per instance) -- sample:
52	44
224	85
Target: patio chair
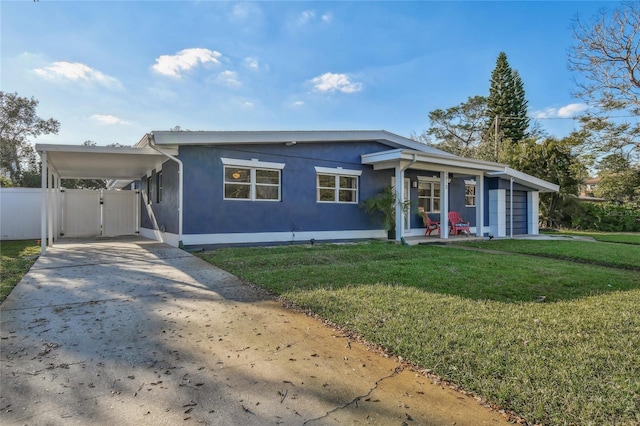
457	224
431	225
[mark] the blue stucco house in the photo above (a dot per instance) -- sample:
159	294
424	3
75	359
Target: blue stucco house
256	187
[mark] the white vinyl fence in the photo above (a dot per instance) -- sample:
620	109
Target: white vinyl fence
20	213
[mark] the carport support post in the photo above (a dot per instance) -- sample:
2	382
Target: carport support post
44	207
50	207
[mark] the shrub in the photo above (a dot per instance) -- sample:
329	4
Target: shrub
606	218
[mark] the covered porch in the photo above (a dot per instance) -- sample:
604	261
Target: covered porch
491	210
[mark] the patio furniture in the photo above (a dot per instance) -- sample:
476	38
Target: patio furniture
431	225
457	224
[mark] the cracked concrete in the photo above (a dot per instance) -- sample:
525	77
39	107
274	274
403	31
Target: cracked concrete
131	331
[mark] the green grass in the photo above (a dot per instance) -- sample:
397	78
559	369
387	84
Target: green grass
620	237
597	253
472	318
16	259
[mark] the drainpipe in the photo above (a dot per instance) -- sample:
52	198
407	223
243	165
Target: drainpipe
153	146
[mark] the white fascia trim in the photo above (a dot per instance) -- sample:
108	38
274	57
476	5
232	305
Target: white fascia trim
526	180
279	237
252	163
287	136
422	158
338	171
435	179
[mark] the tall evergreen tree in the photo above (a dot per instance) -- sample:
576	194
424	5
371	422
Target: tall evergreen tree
507	104
519	122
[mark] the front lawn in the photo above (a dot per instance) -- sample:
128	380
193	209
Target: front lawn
17	257
599	253
617	237
552	340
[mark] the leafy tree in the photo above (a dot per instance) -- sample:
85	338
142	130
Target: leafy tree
18	122
554	161
606	53
507	104
459	129
619	180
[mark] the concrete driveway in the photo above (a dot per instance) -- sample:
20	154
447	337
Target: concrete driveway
132	331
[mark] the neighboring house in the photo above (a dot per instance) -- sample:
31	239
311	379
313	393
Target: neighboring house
587	191
217	188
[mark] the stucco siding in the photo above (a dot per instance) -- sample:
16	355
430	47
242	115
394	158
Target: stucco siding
206	212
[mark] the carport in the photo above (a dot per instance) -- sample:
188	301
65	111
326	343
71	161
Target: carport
119	165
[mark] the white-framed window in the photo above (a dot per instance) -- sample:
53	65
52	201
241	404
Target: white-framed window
470	193
149	192
158	187
252	180
429	194
337	185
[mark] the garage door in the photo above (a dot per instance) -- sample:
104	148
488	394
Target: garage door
519	212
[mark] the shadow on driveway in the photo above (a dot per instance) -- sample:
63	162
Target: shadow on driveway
132	331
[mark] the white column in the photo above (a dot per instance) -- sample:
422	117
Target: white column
444	204
44	207
398	203
479	205
533	206
50	208
498	212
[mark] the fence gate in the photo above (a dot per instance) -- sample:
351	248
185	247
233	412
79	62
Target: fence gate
89	213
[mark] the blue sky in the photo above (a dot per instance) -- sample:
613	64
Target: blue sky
111	71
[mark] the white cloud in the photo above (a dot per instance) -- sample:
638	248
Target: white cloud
297	104
229	78
185	60
330	82
251	63
248	104
107	119
567	111
75	71
306	16
327	17
571	110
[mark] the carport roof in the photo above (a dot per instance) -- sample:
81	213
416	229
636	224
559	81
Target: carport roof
100	162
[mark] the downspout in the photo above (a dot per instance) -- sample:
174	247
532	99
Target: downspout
153	146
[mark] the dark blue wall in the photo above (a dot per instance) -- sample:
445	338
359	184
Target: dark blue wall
165	211
206	212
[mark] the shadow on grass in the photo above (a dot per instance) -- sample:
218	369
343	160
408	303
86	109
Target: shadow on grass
445	270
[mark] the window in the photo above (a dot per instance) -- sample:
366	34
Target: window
337	185
470	193
158	187
429	195
252	180
149	190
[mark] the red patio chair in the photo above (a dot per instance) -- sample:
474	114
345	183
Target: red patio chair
430	224
457	224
